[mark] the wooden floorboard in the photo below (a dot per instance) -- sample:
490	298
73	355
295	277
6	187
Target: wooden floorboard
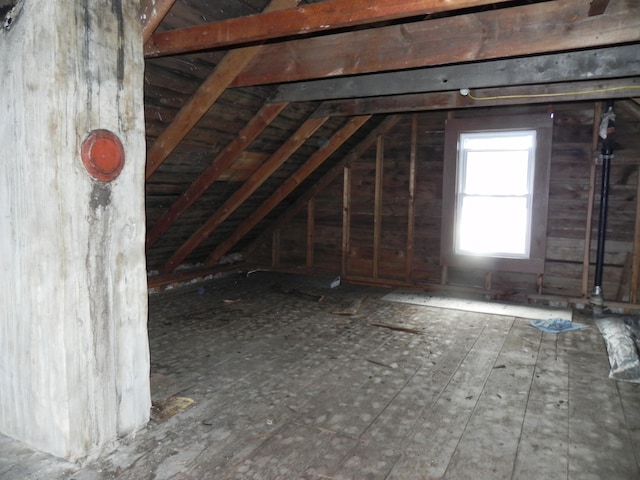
284	389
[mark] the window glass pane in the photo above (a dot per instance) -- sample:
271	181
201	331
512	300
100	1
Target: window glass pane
498	140
497	173
493	225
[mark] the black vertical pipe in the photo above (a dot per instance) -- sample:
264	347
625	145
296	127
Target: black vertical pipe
607	155
602	226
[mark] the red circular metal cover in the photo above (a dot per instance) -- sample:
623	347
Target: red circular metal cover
103	155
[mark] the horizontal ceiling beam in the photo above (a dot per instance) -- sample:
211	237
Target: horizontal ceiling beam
508	32
487	97
600	63
317	17
203	99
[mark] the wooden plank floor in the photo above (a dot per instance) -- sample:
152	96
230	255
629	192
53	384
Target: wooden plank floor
285	389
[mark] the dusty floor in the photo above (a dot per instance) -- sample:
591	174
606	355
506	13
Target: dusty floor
284	388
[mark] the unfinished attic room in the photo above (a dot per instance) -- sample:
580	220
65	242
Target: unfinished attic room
305	239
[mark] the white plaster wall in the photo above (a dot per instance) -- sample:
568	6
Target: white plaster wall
74	356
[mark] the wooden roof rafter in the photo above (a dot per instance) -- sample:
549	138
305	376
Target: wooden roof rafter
314	18
204	97
224	159
152	14
385	126
240	195
287	187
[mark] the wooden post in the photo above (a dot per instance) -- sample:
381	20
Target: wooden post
377	207
597	112
74	351
411	214
346	219
310	231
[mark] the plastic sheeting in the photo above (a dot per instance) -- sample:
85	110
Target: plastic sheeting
622	337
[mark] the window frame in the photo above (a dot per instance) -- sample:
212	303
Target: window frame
543	125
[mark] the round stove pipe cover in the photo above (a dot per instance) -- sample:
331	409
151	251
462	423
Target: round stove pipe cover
103	155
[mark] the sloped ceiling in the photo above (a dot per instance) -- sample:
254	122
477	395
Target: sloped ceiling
250	103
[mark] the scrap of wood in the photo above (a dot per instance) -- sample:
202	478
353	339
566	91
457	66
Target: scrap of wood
351	309
397	327
230	301
298	293
375	362
163	410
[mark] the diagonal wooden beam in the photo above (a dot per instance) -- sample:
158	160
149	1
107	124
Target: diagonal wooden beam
317	17
239	196
335	171
202	100
238	145
287	187
152	14
508	32
484	97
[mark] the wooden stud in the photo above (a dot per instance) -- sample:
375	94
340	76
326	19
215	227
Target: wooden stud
204	97
239	144
508	32
539	283
287	187
444	275
487	280
597	112
310	232
624	278
346	219
411	212
377	204
275	249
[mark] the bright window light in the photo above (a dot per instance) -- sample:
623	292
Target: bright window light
494	193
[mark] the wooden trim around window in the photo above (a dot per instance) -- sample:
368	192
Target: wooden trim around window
543	124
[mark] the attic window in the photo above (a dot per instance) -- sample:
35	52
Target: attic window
495	193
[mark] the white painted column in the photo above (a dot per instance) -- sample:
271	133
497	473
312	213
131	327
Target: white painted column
74	355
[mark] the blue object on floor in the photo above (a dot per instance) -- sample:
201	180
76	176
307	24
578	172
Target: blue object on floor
556	325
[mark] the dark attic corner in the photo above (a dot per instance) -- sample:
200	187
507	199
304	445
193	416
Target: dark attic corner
320	239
